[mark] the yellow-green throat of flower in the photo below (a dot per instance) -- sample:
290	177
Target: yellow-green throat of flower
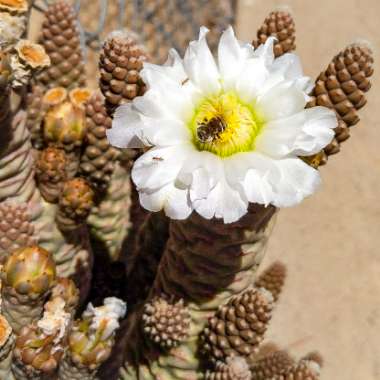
224	125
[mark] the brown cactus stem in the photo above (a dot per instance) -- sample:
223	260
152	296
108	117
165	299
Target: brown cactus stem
121	61
271	365
51	173
60	37
6	348
204	263
235	368
278	24
273	279
35	116
75	203
342	87
99	157
16	229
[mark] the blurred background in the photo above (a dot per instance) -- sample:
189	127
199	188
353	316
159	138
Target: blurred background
331	242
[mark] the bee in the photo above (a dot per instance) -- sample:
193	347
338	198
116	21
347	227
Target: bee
210	130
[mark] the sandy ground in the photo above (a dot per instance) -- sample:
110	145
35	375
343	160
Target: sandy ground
330	243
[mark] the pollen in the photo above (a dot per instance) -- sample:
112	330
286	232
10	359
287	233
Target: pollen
224	125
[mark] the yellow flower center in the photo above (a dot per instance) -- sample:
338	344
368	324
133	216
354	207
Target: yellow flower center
224	125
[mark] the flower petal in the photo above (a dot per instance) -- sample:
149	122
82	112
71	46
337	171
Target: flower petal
252	77
289	65
173	98
231	57
299	180
280	101
172	200
158	167
126	128
222	202
283	183
304	133
265	51
200	65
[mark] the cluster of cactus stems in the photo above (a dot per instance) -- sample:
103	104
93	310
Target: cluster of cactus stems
197	308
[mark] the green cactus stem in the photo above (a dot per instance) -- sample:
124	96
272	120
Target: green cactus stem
204	263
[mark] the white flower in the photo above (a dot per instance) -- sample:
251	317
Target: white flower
223	134
105	318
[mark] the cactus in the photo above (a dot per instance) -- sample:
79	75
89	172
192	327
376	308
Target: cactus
51	173
28	276
279	24
272	279
238	327
342	87
91	340
198	309
121	61
235	368
75	203
6	348
165	322
64	127
40	345
16	229
60	37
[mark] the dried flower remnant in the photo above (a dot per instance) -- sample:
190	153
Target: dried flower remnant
27	59
65	126
54	96
65	289
6	348
91	339
14	7
11	29
79	97
40	346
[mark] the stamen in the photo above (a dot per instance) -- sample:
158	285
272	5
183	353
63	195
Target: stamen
224	125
